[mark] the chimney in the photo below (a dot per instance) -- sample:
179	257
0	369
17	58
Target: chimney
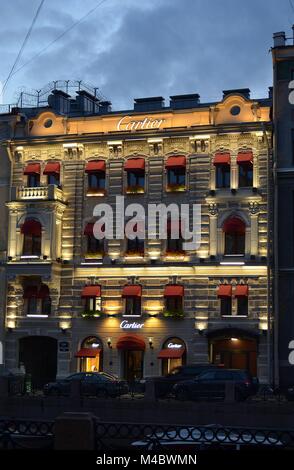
149	104
184	101
270	92
279	39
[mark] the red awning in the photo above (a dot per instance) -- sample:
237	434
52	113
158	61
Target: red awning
43	292
91	291
244	157
95	165
88	352
31	227
241	290
30	291
174	162
132	291
171	353
131	342
52	168
174	291
32	169
222	159
234	225
224	291
135	164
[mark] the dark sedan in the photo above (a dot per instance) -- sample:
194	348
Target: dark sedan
164	385
211	384
98	384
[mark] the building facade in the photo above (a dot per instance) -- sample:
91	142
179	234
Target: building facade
138	308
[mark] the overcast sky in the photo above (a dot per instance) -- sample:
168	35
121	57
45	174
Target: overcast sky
140	48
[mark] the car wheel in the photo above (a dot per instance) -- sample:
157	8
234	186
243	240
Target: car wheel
181	395
101	394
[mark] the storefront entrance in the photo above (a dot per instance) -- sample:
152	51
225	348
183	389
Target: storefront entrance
173	354
235	353
38	355
132	349
90	355
133	365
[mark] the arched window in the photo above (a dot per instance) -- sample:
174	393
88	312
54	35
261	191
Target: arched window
32	232
234	231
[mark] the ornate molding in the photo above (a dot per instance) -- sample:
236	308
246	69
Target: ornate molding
254	208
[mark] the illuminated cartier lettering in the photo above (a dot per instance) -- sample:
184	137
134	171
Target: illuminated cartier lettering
127	124
133	325
174	346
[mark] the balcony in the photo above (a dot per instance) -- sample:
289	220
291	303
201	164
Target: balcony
39	193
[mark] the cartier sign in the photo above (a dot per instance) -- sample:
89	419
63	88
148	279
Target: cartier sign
128	123
133	325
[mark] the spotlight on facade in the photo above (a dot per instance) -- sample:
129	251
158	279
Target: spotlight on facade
150	343
233	191
64	330
234	339
109	343
113	261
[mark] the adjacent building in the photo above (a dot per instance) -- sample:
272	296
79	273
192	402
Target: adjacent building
137	307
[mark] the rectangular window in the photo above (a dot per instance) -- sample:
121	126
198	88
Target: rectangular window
33	180
174	303
135	246
132	306
226	306
176	178
32	306
242	306
96	180
223	176
53	179
245	176
31	245
93	304
94	245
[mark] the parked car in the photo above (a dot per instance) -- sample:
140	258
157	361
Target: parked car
97	384
211	384
164	384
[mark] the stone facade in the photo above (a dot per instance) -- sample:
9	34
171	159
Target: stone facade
198	134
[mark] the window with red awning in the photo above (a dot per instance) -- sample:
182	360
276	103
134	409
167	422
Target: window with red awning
52	168
91	291
224	291
241	290
178	161
174	291
32	169
31	227
245	158
132	291
222	159
95	166
135	164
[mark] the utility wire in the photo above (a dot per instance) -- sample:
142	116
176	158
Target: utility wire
59	37
23	44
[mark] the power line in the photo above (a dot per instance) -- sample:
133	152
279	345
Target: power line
60	36
23	44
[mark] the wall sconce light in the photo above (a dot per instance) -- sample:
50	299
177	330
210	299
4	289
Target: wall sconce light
9	258
45	257
150	343
254	190
212	192
63	330
113	261
200	331
233	191
109	343
201	260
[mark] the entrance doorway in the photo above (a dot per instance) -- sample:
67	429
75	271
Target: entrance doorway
132	355
133	365
90	355
172	355
38	354
235	353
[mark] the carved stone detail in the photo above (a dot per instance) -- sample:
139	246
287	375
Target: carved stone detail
213	209
253	208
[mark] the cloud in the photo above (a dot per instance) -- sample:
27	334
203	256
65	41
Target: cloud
134	49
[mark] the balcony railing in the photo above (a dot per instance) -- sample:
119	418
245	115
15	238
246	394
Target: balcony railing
50	192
